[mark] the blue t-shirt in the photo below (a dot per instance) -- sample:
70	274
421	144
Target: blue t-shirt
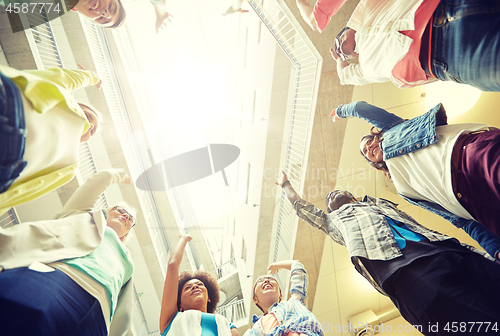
413	246
402	233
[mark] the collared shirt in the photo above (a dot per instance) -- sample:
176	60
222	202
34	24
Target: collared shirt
402	137
292	315
379	41
363	228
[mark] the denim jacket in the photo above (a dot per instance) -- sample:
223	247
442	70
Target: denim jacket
402	137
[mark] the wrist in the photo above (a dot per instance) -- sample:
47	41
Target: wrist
285	183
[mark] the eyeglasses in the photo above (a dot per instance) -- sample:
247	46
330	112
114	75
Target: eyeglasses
338	44
262	279
124	212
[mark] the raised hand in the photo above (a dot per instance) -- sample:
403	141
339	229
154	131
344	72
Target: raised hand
334	115
186	236
99	83
284	178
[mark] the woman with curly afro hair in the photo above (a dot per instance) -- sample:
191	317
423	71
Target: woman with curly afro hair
189	301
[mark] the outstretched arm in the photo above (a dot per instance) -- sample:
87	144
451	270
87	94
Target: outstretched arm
291	194
99	83
319	15
235	8
486	239
298	277
307	12
85	197
284	264
169	300
376	116
162	16
71	80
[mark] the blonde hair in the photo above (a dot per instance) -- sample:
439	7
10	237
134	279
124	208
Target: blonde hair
98	114
131	210
121	17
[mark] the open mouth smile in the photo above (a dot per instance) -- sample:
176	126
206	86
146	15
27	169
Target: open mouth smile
95	6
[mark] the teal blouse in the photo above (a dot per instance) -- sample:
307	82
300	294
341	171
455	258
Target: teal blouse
110	264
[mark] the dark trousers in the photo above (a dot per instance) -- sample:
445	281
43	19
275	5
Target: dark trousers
47	304
478	178
12	133
448	289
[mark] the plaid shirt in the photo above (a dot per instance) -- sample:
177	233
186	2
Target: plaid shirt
292	315
365	224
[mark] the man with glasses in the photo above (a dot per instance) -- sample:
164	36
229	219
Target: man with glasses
291	318
419	41
431	278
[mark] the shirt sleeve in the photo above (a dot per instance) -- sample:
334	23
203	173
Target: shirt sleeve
324	10
318	219
298	282
71	80
376	116
487	240
85	197
353	75
308	212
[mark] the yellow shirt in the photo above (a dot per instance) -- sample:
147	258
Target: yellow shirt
46	89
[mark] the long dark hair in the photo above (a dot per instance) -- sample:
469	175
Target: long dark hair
376	133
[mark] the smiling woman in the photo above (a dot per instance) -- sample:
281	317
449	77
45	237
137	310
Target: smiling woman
107	13
447	169
70	275
41	128
290	315
189	301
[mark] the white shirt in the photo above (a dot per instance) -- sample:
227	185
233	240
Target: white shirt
425	174
52	140
378	39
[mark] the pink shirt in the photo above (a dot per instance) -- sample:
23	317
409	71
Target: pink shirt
409	70
269	322
324	10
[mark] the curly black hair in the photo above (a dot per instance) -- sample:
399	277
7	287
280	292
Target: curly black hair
210	283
